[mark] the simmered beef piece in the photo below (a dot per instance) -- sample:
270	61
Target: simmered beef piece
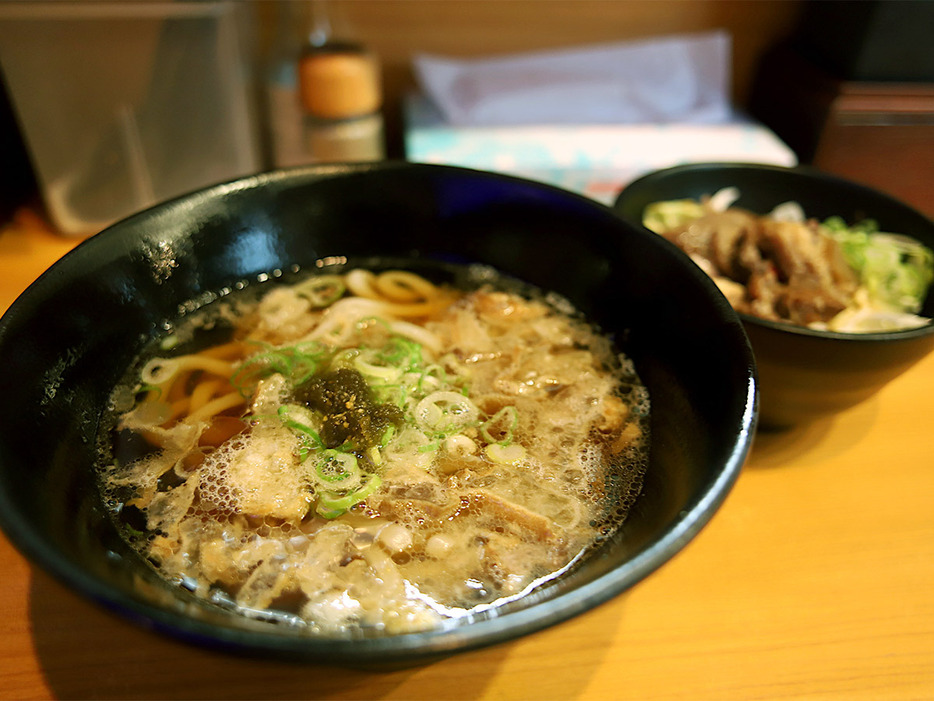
791	272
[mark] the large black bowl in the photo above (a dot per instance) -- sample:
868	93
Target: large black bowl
71	335
803	374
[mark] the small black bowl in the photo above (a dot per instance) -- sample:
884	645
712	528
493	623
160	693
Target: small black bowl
803	374
69	338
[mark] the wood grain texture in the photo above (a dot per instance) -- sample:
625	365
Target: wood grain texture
812	581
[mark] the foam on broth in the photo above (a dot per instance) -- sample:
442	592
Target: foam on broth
243	459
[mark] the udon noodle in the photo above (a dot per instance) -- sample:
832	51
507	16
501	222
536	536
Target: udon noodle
375	451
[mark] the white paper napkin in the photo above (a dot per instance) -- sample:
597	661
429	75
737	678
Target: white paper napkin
684	78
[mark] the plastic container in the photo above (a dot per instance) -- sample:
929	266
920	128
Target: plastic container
125	104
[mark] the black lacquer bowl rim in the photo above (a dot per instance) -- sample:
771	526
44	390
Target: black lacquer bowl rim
407	648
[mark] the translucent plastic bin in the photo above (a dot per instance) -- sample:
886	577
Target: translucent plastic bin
125	104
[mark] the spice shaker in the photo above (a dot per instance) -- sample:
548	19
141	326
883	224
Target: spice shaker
341	99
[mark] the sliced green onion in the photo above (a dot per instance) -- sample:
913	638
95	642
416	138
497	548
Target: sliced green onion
409	445
427	384
445	412
147	388
296	363
402	353
337	467
307	360
507	420
895	270
334	505
433	375
387	436
390	394
299	419
381	372
321	290
670	214
344	358
429	447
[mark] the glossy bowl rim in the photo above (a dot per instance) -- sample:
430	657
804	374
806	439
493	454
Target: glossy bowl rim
408	647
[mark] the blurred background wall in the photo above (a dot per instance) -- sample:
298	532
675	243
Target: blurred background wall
398	29
809	70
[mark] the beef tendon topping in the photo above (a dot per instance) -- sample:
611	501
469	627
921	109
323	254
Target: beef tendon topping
786	267
377	452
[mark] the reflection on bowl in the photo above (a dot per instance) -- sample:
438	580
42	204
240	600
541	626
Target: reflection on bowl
69	338
803	373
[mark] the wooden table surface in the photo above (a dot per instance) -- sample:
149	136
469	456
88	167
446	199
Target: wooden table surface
815	580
